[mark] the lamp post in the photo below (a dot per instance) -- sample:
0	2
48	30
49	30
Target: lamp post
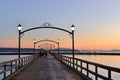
58	41
34	41
19	30
73	28
54	50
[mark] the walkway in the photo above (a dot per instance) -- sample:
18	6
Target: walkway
47	69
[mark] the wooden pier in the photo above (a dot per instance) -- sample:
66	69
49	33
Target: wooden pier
46	68
54	67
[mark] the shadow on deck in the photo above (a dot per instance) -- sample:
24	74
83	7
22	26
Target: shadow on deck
46	68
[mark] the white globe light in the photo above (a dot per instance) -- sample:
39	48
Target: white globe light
19	27
34	40
58	40
72	27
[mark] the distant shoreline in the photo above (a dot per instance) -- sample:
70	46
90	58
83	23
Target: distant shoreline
92	53
64	53
16	54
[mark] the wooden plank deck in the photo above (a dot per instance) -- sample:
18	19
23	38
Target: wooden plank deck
47	68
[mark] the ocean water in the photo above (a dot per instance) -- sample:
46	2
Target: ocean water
4	58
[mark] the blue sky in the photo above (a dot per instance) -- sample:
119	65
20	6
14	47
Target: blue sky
95	20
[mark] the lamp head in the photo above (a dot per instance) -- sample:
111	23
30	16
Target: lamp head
72	27
34	40
58	40
19	27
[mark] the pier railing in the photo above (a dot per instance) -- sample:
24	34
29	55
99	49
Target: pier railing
89	69
9	67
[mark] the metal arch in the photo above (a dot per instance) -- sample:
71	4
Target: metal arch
46	44
50	45
46	40
46	27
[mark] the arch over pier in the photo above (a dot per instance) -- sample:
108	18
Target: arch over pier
48	40
44	26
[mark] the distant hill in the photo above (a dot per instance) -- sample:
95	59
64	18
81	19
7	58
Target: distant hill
66	50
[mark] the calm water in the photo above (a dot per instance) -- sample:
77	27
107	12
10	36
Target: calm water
9	57
109	60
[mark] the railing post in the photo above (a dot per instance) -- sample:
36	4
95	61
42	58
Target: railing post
4	72
66	60
61	58
96	72
23	61
81	65
17	66
11	68
109	74
87	70
70	62
19	63
76	64
26	60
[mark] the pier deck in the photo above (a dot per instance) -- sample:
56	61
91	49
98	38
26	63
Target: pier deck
47	68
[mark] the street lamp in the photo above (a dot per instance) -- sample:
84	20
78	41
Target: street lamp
34	41
19	30
73	28
58	41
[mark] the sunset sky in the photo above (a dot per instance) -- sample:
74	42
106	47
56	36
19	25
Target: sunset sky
97	22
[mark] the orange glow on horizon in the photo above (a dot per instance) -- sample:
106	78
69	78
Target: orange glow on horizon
90	45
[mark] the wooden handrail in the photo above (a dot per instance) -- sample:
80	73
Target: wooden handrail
15	64
79	67
6	62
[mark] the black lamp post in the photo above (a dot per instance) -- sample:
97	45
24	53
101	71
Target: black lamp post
53	49
19	30
73	28
34	41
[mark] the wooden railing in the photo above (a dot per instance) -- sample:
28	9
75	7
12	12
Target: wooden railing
90	70
9	67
